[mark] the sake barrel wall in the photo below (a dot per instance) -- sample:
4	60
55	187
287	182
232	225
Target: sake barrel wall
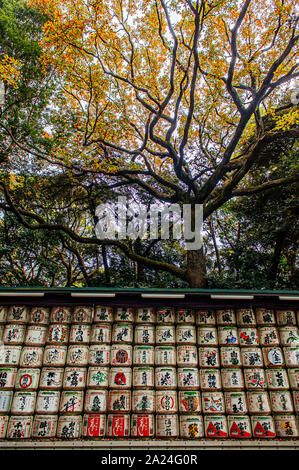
75	371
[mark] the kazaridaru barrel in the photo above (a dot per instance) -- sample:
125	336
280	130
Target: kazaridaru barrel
143	425
44	426
191	427
94	425
69	427
239	427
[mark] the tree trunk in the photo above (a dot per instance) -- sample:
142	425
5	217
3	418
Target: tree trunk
196	268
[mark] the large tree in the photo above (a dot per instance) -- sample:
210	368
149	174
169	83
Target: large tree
168	99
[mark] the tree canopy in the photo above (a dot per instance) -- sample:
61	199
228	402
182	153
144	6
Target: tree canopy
177	102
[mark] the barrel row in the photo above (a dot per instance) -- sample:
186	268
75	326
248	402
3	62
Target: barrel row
149	401
88	314
147	426
183	378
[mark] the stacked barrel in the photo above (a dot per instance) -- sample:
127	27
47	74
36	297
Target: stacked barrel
97	372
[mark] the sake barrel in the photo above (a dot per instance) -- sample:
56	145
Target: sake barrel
100	333
296	401
166	401
212	402
291	356
144	401
31	356
35	335
97	377
95	401
286	317
39	316
165	315
103	314
5	401
235	403
27	379
119	401
277	379
144	334
143	377
167	425
51	378
187	356
165	334
252	357
10	355
263	427
227	336
189	401
268	336
225	317
230	356
246	317
77	355
185	334
293	378
258	403
125	314
44	426
205	317
207	336
286	426
71	402
3	426
122	333
185	316
7	377
94	425
14	334
165	356
82	314
215	426
47	402
191	427
208	357
273	357
121	354
99	354
232	379
69	427
289	336
80	334
265	316
165	378
23	403
143	425
120	377
188	378
61	315
18	314
19	427
118	425
3	314
210	379
144	355
239	427
145	315
74	378
248	336
58	334
254	379
54	356
281	402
